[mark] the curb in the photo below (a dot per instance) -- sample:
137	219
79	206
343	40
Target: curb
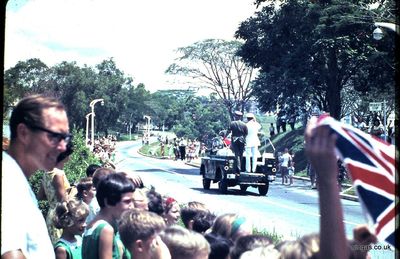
343	196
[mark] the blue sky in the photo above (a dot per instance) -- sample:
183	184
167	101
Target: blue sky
141	36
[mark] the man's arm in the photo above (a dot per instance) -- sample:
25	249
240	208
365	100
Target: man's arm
16	254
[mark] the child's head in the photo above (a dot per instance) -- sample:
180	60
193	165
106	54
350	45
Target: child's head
247	243
231	226
172	211
140	200
115	190
138	230
86	190
190	210
91	169
99	174
71	216
203	221
156	202
184	243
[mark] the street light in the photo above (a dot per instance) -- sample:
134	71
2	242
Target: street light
378	33
148	124
87	128
92	103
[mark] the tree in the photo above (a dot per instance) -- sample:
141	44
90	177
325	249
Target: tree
308	49
215	65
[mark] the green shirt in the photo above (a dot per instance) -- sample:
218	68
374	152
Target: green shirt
90	244
74	249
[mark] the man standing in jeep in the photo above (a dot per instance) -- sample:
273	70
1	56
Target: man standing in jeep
239	133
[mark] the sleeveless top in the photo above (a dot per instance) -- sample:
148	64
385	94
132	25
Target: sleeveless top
90	244
74	249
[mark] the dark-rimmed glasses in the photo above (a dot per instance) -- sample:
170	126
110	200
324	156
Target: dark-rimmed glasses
55	137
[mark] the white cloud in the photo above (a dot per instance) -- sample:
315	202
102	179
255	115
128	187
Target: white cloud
141	36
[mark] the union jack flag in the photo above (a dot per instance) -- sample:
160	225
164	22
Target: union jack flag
371	164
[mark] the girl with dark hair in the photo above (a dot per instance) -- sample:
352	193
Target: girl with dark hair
114	195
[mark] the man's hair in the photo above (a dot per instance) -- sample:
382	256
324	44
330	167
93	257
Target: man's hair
30	110
184	243
84	184
91	169
69	212
111	188
100	173
139	225
190	210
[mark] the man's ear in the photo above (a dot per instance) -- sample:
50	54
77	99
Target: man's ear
23	133
190	224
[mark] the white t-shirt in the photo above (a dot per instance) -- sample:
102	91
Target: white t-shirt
94	209
22	224
252	139
285	159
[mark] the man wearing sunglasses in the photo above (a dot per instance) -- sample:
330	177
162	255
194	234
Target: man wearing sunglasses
39	134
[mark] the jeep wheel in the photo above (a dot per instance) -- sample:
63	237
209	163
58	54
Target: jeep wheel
243	187
263	189
206	183
223	186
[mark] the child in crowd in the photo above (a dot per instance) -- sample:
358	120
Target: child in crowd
114	195
94	207
140	200
172	211
231	226
291	172
156	202
86	190
70	216
185	244
139	231
247	243
190	210
203	221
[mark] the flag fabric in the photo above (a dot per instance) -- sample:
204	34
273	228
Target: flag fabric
371	164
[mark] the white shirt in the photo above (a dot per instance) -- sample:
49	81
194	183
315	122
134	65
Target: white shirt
22	224
252	133
285	159
94	209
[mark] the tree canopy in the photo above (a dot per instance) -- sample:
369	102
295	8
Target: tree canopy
311	50
215	65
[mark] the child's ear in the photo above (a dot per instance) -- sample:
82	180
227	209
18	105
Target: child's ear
85	193
139	246
190	224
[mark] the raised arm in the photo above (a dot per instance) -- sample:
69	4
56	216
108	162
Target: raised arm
320	149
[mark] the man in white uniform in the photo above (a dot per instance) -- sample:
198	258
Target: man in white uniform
252	142
39	133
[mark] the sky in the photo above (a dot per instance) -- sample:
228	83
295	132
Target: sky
140	36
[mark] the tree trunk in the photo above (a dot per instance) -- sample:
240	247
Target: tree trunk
333	86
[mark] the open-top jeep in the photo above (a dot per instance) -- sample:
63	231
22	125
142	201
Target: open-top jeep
218	168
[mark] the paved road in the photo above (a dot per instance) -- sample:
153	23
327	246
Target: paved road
289	211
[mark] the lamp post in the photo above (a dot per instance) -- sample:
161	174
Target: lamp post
92	103
378	33
148	118
87	128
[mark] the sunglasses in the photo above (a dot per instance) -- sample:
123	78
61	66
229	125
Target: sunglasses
55	137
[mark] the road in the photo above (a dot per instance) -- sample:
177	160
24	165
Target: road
289	211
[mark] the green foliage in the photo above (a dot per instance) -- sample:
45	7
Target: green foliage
79	160
311	50
274	236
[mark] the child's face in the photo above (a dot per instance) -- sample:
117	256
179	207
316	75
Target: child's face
89	194
79	227
124	204
173	214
